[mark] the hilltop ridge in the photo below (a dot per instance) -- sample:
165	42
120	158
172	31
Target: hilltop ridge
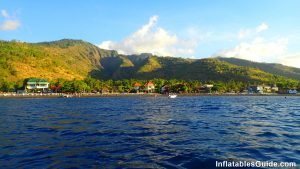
76	59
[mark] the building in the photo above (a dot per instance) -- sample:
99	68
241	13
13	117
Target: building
263	89
256	89
274	88
149	87
136	86
292	91
287	91
165	89
37	85
267	89
206	88
208	85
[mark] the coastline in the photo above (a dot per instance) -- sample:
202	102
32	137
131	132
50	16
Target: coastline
86	95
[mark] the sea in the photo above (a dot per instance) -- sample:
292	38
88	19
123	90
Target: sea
148	132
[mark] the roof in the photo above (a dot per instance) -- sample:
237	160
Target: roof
149	84
137	85
208	85
37	80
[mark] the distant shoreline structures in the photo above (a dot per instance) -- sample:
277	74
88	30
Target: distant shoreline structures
76	66
34	87
86	95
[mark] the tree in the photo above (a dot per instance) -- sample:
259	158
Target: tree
80	86
98	86
68	87
7	86
91	83
19	85
219	87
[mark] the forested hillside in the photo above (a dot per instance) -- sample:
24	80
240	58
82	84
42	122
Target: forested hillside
76	59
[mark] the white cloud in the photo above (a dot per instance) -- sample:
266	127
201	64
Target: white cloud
262	27
291	60
10	25
153	39
4	13
259	50
245	33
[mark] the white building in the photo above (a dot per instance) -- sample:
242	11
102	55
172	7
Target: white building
37	84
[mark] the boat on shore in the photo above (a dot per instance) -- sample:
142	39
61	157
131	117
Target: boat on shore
66	96
172	96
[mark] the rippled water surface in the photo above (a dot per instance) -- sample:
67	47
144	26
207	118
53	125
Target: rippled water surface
147	132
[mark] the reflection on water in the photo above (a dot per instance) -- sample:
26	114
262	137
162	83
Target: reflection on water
147	132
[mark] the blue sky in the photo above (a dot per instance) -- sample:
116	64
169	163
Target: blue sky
258	30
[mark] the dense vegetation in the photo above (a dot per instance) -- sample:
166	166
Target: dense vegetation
76	60
22	60
111	86
272	68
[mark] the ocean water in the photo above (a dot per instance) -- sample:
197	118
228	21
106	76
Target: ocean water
147	132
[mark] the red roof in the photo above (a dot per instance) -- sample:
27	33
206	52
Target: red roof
137	85
149	84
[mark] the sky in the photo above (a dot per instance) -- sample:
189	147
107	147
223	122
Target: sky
256	30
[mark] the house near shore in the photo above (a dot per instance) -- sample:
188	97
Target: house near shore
267	89
165	89
256	89
208	85
288	91
136	86
292	91
263	89
270	89
149	87
36	85
206	88
274	89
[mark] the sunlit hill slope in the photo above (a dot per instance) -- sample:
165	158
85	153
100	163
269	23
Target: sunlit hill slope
77	59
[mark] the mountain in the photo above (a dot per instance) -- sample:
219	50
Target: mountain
65	58
76	59
272	68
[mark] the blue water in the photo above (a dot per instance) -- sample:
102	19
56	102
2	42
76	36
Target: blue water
147	132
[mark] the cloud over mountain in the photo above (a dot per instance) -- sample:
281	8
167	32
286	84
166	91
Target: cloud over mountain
152	39
246	33
262	27
9	23
259	49
291	60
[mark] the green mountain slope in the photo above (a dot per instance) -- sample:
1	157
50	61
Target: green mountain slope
65	58
272	68
76	59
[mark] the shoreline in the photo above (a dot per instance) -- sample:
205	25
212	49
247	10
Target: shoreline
87	95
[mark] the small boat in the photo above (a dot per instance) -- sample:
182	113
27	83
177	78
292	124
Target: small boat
172	96
65	96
